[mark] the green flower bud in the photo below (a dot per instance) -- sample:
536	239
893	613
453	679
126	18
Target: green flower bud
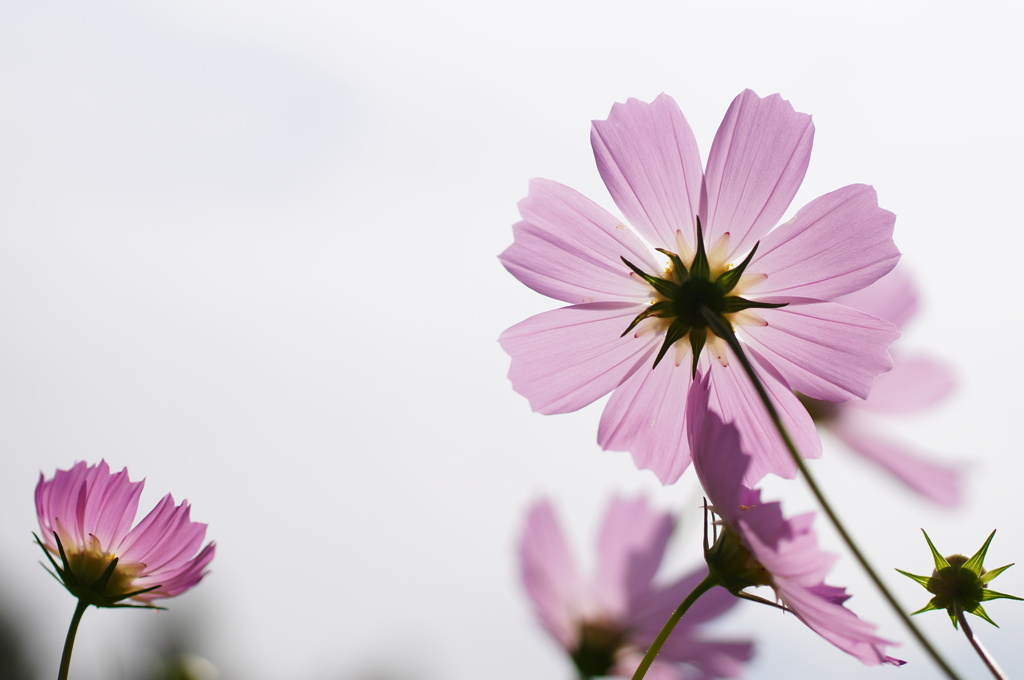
960	583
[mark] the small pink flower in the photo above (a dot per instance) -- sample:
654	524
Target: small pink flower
701	242
758	546
86	515
607	623
915	383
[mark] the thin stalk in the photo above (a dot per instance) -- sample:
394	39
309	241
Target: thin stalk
990	663
704	586
69	643
725	333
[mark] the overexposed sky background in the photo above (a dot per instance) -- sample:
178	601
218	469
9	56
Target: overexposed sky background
248	250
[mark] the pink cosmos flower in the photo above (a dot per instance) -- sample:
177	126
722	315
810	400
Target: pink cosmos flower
86	515
701	244
608	622
915	383
758	546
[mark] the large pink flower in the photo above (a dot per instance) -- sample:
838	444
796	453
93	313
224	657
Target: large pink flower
86	515
690	253
915	383
758	546
607	623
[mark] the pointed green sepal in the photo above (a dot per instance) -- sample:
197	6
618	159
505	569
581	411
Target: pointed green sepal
700	268
657	309
677	264
677	331
698	336
729	278
668	289
959	583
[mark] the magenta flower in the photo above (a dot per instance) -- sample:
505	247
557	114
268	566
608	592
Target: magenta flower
86	515
608	622
702	244
915	383
758	546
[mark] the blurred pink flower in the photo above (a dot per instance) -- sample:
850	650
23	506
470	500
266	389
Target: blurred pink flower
915	383
691	250
607	623
86	515
758	546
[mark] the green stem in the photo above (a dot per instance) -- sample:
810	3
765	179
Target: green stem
990	663
704	586
65	659
722	331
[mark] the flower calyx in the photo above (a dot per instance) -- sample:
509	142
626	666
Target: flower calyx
960	583
694	300
94	577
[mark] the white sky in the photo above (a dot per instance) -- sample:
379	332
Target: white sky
248	249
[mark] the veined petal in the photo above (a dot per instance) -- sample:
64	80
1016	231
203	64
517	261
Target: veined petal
569	248
646	416
837	244
549	573
648	158
733	397
755	167
914	383
564	359
629	548
824	350
939	482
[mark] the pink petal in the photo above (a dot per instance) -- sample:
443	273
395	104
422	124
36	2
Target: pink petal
824	350
549	573
650	612
757	162
834	622
838	243
710	658
914	384
564	359
648	158
629	550
569	248
645	416
941	483
734	398
893	298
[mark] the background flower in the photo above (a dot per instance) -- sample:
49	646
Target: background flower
915	383
786	551
91	511
606	623
707	224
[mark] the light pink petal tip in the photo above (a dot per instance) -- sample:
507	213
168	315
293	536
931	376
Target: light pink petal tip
915	383
756	165
836	244
824	350
564	359
549	573
942	483
648	158
629	548
570	249
645	416
892	297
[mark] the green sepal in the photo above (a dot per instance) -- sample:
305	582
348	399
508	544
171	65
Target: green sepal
729	278
940	561
974	564
922	580
656	309
700	268
734	303
665	288
676	331
677	264
698	336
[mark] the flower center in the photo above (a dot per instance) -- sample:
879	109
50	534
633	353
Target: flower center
599	644
694	301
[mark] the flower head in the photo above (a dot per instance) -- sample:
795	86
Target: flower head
960	583
607	623
758	546
86	515
915	383
651	303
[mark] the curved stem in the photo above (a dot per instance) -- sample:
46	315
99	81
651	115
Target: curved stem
65	659
722	331
990	663
704	586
